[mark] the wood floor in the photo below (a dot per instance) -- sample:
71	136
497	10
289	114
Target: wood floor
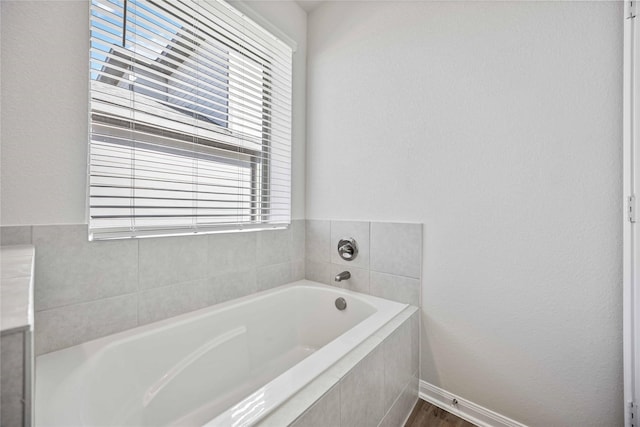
425	414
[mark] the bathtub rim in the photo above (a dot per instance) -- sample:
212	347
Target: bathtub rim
303	401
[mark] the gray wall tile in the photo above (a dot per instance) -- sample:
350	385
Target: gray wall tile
298	270
396	288
396	248
358	230
169	260
273	275
403	406
298	247
230	252
170	275
274	246
415	342
318	240
324	413
319	272
15	235
12	379
232	285
361	392
160	303
69	269
359	281
74	324
397	362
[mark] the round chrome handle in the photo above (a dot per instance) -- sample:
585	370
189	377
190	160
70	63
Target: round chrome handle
347	249
341	303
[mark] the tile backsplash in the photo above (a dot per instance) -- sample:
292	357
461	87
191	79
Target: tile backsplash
16	235
85	290
389	261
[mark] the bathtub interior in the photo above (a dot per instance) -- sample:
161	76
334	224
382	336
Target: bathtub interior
164	375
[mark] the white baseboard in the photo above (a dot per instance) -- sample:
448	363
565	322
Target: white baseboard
464	409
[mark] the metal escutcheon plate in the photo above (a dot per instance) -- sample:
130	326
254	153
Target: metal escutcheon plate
347	249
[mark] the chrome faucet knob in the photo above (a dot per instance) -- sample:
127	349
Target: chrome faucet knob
347	249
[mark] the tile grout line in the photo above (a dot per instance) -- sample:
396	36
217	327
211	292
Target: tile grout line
86	302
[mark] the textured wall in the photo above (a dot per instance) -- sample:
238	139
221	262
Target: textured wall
498	126
44	111
44	107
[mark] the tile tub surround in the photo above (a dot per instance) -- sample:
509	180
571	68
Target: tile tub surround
388	265
15	235
85	290
16	343
370	386
12	366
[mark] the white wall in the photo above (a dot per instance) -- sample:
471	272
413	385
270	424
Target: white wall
498	126
45	54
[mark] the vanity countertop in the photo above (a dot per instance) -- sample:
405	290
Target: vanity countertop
16	288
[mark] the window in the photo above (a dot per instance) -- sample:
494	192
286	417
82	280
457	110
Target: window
190	120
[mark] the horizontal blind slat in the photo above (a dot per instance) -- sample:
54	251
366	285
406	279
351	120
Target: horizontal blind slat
116	104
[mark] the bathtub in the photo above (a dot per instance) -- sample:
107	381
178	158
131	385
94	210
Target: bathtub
225	365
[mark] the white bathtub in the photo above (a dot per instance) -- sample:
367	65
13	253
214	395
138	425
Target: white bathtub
226	365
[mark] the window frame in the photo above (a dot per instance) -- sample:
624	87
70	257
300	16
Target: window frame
258	160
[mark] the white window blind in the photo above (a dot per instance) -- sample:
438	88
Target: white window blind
190	120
